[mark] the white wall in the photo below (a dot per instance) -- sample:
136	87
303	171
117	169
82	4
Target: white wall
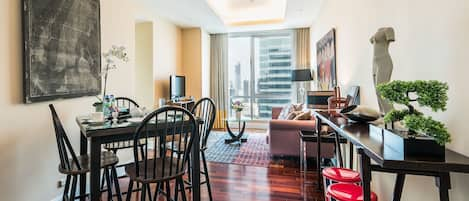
28	151
431	43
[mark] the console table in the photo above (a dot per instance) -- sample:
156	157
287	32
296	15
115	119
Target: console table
373	148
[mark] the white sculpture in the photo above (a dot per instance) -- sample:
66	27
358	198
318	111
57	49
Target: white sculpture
382	63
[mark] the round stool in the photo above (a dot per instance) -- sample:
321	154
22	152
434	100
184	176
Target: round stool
339	175
347	192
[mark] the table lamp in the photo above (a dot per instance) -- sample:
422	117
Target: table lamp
301	75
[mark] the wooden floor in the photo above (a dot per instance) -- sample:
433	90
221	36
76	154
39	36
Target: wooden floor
247	183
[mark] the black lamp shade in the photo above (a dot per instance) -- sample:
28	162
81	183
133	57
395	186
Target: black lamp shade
300	75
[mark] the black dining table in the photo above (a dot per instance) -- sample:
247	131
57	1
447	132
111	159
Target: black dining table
98	134
372	147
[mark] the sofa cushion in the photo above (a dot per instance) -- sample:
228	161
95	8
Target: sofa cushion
288	109
278	124
303	116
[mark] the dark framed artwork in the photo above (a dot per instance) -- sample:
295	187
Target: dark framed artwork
62	49
326	61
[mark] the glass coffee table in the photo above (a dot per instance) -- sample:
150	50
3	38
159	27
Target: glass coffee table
239	135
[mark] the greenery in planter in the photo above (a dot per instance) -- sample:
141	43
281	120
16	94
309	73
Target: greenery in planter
430	93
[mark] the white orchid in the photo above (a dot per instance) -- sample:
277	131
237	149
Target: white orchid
111	57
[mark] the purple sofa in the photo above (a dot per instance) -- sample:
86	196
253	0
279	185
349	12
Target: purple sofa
285	141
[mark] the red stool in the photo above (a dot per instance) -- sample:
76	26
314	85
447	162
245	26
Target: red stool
347	192
339	175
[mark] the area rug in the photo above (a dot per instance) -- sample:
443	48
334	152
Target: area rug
254	152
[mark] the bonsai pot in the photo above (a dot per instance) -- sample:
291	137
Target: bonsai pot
410	146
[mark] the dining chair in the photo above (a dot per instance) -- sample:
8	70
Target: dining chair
169	128
128	104
205	111
74	166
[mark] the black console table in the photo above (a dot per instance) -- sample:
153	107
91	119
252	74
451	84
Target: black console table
388	160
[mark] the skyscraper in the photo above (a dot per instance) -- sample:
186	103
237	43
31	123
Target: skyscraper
274	76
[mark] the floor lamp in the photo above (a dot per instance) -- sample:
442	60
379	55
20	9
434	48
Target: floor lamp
301	75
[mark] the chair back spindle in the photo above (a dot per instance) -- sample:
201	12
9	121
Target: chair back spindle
172	128
205	110
63	144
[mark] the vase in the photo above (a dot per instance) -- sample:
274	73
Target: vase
238	115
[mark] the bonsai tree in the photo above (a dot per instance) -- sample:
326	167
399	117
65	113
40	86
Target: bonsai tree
432	94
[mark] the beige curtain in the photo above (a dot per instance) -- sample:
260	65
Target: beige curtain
303	54
219	76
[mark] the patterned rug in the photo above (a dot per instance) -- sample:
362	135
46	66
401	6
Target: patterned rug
254	152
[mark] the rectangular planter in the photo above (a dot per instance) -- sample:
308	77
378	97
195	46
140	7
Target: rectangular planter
421	147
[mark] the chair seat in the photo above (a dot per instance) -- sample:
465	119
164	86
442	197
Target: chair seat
107	159
154	171
348	192
341	175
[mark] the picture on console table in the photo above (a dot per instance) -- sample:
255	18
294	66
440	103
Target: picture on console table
62	49
326	62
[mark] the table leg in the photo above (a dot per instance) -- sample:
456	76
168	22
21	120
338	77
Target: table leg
196	169
83	151
338	150
350	160
365	165
95	169
318	151
398	186
444	184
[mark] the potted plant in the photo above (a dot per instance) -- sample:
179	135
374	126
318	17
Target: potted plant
421	130
238	107
114	55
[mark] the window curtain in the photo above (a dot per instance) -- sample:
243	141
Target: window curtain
219	76
303	54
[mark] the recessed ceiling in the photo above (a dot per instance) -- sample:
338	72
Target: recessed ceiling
249	12
198	13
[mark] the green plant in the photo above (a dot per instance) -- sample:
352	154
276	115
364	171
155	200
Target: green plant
432	94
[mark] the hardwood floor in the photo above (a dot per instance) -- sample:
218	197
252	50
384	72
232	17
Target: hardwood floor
247	183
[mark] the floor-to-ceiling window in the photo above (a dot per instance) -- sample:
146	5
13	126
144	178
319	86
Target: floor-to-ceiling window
259	67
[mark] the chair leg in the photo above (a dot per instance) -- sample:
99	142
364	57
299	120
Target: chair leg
66	189
168	191
176	189
183	191
108	184
207	180
149	192
129	190
74	187
116	183
143	193
157	191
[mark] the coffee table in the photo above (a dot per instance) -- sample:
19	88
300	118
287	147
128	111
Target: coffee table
236	136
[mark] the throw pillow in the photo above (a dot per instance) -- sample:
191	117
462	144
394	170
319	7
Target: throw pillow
303	116
292	115
289	109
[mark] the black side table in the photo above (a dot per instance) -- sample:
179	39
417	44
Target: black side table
236	137
311	136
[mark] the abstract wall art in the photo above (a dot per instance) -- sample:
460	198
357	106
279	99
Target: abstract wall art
62	49
326	61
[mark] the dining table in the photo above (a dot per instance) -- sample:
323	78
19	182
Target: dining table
93	136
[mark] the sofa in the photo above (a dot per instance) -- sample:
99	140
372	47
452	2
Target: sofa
284	140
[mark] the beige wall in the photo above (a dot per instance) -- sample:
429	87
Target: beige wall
431	43
28	152
192	61
144	85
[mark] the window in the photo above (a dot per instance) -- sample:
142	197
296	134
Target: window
259	67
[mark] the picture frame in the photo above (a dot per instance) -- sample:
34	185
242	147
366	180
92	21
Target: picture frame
62	49
326	61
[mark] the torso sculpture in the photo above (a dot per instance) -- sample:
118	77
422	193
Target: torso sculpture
382	63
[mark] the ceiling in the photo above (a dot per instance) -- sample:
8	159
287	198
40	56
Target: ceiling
197	13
